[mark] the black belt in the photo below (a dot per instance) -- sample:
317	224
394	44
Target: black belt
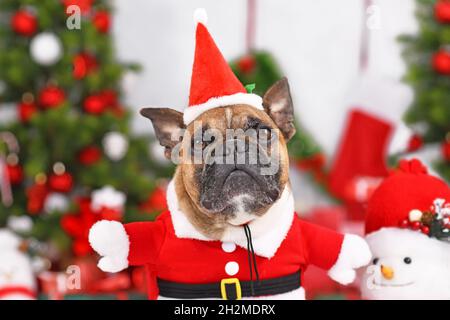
229	288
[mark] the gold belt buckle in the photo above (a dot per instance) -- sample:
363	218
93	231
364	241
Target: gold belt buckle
223	288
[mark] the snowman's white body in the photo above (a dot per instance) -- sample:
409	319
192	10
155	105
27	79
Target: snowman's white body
427	276
15	272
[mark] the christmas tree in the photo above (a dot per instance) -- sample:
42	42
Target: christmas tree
428	57
70	158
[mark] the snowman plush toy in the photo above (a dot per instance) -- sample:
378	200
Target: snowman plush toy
408	231
17	280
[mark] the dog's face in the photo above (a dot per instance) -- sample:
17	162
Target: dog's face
232	160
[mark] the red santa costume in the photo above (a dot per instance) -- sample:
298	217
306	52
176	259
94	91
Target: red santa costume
275	248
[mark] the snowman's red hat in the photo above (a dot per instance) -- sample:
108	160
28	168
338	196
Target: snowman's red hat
213	83
403	196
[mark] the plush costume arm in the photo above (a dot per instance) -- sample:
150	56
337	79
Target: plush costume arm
333	251
121	245
354	254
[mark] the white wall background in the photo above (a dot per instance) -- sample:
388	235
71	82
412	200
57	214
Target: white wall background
315	42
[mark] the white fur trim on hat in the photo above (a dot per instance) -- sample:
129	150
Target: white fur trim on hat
200	16
192	112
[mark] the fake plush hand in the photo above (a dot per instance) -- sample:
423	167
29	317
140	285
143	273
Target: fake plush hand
354	254
110	240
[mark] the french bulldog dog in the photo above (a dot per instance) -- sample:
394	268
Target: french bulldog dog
231	231
216	193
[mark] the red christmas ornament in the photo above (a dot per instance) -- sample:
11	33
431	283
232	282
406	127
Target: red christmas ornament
247	64
441	62
94	104
425	230
36	195
61	182
89	155
442	11
109	97
15	173
26	111
84	5
446	151
51	97
111	101
404	223
415	143
102	21
416	225
83	64
24	23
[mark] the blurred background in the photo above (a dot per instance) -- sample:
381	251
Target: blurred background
370	81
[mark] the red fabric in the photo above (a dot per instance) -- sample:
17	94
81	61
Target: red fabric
155	245
406	189
211	74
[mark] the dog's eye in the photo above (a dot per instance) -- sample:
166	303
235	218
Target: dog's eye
407	260
375	261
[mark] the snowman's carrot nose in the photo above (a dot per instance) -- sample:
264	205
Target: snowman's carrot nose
387	272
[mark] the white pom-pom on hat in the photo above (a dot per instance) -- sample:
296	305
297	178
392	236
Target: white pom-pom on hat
200	16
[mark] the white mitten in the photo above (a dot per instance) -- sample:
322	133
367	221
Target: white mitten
355	253
110	240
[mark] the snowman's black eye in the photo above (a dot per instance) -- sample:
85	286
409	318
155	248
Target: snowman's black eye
375	261
407	260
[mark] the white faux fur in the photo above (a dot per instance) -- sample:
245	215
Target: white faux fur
268	231
192	112
355	253
200	16
110	240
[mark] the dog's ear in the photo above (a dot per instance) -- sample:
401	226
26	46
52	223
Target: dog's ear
168	125
277	103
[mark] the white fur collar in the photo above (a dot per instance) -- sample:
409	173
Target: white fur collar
268	231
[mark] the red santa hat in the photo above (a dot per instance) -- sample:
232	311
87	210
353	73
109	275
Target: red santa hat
213	83
410	198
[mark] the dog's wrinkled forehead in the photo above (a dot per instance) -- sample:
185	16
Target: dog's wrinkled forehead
278	114
232	117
